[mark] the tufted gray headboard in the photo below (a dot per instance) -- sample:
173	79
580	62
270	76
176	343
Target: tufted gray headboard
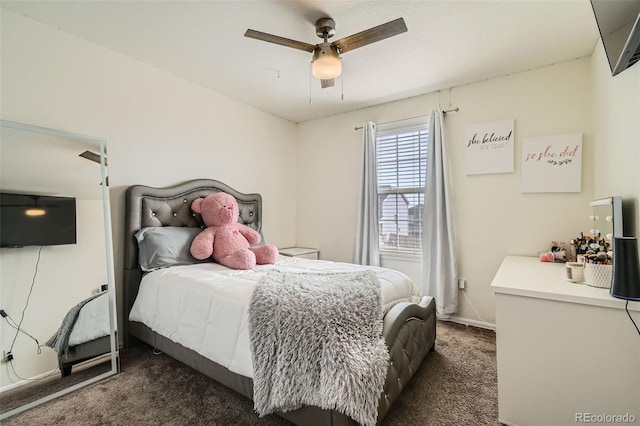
146	206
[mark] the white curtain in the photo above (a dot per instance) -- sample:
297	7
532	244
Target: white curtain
438	251
367	249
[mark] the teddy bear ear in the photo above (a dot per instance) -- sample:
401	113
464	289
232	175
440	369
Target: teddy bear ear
196	206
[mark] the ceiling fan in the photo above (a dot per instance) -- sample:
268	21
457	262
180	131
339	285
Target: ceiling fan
326	62
92	156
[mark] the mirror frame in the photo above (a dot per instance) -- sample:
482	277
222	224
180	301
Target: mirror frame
617	224
111	291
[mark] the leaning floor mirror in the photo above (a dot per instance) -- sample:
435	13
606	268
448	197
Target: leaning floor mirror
57	295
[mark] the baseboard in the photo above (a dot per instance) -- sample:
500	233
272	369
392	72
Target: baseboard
29	380
471	322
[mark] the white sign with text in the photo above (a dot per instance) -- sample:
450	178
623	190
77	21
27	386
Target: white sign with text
489	148
552	163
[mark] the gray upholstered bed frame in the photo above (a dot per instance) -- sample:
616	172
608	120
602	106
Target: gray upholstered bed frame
83	352
409	328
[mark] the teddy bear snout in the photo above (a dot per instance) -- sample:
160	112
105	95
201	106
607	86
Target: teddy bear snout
226	213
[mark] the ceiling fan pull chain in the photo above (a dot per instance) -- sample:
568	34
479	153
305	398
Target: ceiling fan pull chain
310	80
341	83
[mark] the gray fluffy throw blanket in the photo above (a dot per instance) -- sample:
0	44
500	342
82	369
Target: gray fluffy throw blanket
316	339
60	340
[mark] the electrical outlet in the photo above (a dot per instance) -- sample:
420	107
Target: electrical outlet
462	283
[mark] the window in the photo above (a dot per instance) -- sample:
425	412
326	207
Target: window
402	162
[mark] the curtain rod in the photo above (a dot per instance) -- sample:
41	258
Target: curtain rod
456	109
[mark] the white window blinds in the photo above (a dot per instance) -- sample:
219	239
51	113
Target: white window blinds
402	161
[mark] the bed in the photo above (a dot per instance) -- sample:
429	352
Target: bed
83	334
408	326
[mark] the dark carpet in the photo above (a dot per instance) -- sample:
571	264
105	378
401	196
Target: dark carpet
456	385
49	385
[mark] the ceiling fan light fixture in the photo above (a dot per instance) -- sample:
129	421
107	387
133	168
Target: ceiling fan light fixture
35	211
326	62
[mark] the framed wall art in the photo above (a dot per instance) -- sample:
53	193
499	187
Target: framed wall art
552	163
489	148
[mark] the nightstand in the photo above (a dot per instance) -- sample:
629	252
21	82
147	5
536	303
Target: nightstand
302	252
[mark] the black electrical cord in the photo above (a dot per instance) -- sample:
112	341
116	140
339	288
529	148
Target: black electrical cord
13	324
19	325
626	308
31	379
16	374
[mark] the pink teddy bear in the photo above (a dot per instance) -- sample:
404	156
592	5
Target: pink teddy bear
228	241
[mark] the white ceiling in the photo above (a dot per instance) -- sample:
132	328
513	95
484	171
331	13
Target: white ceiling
448	43
37	162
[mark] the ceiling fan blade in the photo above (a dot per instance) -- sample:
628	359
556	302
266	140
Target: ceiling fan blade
327	83
371	35
92	156
280	40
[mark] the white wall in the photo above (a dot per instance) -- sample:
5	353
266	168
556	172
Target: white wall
492	217
160	129
616	130
66	275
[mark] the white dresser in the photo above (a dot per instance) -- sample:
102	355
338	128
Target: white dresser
567	353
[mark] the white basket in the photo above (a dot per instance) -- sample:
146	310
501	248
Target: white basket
597	275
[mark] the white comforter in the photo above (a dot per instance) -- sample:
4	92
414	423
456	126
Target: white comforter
204	307
93	321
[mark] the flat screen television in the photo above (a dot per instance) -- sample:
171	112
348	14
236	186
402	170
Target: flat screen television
36	220
619	25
